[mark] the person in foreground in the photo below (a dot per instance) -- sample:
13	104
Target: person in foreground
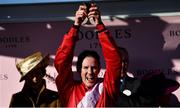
129	96
90	91
34	92
153	89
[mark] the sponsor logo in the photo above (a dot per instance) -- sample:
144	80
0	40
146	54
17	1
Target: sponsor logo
168	72
92	36
3	76
173	33
13	41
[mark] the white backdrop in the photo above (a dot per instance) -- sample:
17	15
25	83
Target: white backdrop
153	44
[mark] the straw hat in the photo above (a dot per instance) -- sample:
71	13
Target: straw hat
34	61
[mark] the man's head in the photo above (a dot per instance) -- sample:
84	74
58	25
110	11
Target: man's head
35	79
88	65
125	59
33	67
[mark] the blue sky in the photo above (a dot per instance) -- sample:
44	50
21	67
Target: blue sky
35	1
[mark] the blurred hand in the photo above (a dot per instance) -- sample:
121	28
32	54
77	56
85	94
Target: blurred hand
80	15
95	13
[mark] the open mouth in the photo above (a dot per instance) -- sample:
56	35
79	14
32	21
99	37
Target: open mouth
90	79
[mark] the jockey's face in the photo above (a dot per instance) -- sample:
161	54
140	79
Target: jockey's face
89	71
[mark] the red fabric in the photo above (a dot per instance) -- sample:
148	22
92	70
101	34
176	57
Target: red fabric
71	92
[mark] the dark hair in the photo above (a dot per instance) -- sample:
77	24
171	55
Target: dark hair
84	54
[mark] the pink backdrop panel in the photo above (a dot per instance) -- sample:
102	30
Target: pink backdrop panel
153	44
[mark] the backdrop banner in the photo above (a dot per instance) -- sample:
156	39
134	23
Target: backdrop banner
153	44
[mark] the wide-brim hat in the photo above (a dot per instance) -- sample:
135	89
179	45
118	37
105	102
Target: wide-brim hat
32	62
156	83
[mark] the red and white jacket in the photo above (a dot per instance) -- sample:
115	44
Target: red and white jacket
76	94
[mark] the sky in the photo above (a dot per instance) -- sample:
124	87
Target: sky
35	1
